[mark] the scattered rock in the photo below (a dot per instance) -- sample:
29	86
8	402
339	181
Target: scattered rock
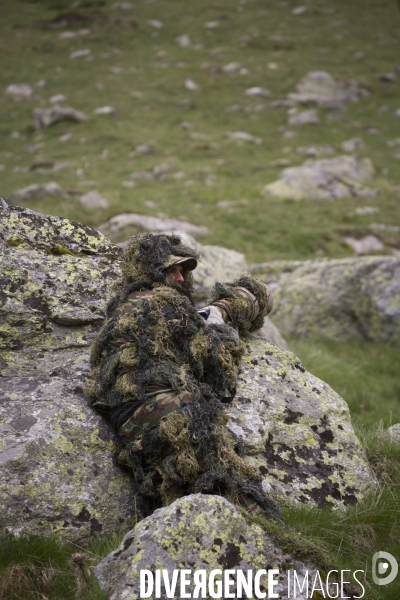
242	136
185	125
390	77
47	166
395	142
365	245
306	117
325	179
324	89
280	162
45	117
373	130
336	299
382	227
353	145
80	53
394	433
37	190
191	85
397	112
315	150
184	41
123	226
197	532
285	103
123	5
155	24
211	25
145	149
57	98
104	110
93	200
257	91
299	10
232	67
19	90
364	210
65	137
271	334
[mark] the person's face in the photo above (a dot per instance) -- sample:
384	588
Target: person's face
174	275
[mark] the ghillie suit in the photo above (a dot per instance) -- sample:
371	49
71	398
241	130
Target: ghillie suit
160	372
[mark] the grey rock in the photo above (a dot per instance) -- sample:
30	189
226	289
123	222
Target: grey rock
365	245
315	150
57	456
338	299
271	333
93	200
325	179
325	90
19	90
353	144
122	226
45	117
37	190
195	532
394	433
242	136
306	117
257	91
232	67
183	41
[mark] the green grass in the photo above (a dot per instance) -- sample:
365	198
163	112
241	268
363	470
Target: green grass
328	37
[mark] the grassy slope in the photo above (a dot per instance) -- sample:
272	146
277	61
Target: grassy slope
327	37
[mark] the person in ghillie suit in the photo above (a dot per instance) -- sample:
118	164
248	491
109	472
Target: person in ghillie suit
161	370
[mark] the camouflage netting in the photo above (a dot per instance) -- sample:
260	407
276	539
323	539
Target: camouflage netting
162	338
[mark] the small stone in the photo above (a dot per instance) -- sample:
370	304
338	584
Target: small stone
289	134
67	35
315	150
128	184
232	67
244	137
353	144
397	112
257	91
156	24
273	66
93	200
80	53
122	6
46	117
57	98
145	149
365	245
185	125
184	41
2	167
37	191
104	110
390	77
373	130
395	142
280	162
191	85
383	109
299	10
15	135
179	175
364	210
211	25
65	137
19	90
306	117
40	84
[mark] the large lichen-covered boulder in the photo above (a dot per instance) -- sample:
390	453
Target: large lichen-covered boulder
57	456
336	299
195	532
324	179
297	431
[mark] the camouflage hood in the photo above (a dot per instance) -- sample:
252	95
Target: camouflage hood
143	264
